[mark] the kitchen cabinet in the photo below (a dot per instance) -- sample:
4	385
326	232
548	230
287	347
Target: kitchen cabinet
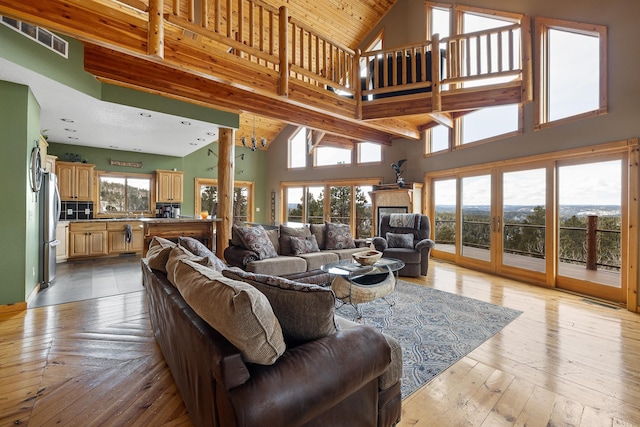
87	239
118	237
62	234
169	186
50	163
75	181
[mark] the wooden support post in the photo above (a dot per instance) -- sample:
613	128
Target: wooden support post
357	87
592	242
155	32
527	51
436	74
226	158
283	44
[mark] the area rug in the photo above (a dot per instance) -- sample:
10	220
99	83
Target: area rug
435	328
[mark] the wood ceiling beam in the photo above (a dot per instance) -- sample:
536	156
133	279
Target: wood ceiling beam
445	119
157	77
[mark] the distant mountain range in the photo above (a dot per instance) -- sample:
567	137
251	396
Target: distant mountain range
520	212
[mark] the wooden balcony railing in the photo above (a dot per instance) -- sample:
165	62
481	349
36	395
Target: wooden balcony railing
270	38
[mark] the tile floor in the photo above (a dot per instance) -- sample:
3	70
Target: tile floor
91	278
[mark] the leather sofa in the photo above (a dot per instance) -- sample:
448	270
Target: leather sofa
346	378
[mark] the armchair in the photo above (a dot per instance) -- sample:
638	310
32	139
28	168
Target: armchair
396	242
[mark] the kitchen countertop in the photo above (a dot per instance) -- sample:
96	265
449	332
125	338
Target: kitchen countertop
147	219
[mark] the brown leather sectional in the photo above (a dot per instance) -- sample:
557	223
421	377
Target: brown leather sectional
332	381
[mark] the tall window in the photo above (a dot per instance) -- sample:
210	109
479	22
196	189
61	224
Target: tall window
437	139
122	193
307	204
571	80
298	149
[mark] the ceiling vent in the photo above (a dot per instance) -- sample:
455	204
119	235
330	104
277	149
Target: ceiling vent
44	37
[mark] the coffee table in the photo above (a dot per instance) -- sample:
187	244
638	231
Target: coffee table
356	284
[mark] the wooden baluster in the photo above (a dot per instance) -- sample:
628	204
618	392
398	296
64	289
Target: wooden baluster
175	7
229	14
355	82
191	11
204	14
283	44
478	55
272	34
500	52
489	58
240	22
216	11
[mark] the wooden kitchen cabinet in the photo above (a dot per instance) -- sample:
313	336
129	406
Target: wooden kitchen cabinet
169	186
118	237
87	239
75	181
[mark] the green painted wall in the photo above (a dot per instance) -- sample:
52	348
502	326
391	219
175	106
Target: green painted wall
198	164
19	121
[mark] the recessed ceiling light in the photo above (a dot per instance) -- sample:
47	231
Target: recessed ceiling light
70	130
145	114
72	137
186	123
192	143
137	149
200	139
113	146
67	120
211	133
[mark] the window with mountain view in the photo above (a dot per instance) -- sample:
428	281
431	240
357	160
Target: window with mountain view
123	193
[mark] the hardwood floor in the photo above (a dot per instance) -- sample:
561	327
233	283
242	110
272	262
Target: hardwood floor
566	361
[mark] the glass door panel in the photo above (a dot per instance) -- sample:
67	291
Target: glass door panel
476	217
590	223
315	205
445	206
524	219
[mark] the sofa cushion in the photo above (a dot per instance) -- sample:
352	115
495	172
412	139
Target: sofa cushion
305	245
237	310
256	239
274	236
178	253
338	236
286	233
196	247
278	266
305	312
319	230
400	240
315	260
158	253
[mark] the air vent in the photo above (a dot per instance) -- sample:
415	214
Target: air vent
44	37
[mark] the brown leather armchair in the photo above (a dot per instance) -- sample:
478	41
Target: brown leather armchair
415	254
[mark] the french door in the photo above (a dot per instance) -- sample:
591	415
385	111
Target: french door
557	223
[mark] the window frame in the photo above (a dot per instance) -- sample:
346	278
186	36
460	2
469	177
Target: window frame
542	26
213	182
126	175
358	151
289	147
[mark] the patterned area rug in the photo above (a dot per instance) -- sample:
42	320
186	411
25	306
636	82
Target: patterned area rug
435	328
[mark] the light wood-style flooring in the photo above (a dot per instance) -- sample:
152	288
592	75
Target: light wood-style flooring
566	361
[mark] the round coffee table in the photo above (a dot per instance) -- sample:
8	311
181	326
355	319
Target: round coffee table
356	284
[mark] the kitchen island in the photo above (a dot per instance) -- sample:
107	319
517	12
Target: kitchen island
116	236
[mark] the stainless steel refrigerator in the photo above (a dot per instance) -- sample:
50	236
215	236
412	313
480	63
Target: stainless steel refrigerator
49	216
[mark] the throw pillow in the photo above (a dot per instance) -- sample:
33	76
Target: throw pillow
178	253
305	245
320	231
305	312
397	240
196	247
257	240
338	236
286	233
235	309
158	253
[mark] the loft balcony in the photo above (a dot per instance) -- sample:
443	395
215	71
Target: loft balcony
245	55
